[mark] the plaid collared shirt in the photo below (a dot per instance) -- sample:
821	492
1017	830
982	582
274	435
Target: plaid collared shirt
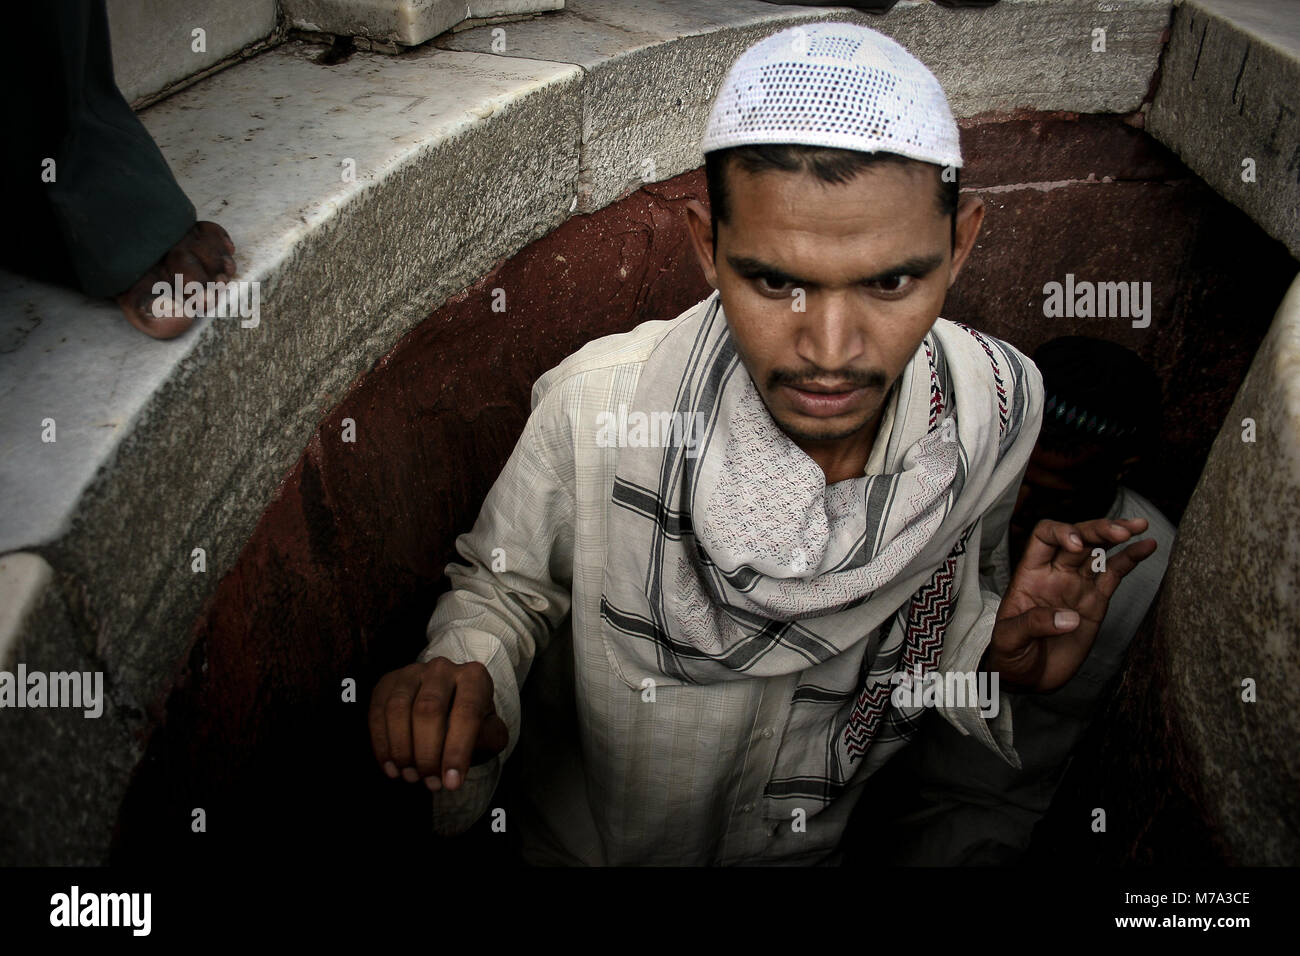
615	776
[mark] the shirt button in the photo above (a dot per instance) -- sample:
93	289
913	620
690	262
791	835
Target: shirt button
747	808
767	732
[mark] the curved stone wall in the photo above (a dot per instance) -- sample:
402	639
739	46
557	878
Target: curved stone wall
1230	620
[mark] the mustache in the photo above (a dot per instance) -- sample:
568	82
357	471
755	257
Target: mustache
853	378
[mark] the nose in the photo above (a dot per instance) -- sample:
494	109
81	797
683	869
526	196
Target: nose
831	337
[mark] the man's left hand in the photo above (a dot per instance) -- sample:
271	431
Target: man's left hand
1055	603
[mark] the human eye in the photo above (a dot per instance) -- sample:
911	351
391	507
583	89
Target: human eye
773	285
894	286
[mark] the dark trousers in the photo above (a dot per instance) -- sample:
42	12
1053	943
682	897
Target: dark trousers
114	207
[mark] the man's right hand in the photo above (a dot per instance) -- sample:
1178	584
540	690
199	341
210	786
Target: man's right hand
431	721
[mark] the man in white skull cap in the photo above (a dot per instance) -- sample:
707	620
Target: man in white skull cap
729	617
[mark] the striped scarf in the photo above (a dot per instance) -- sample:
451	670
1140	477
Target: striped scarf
730	558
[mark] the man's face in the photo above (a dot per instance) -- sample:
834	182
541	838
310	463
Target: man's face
873	258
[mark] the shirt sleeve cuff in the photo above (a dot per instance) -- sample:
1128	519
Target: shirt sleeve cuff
455	811
990	727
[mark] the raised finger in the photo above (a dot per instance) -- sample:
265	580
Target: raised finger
1054	542
1124	562
1110	531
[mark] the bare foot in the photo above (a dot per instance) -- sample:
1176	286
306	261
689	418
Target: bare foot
204	254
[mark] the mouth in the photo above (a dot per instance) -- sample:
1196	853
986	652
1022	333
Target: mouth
824	401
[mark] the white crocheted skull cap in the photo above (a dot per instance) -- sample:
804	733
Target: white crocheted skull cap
834	84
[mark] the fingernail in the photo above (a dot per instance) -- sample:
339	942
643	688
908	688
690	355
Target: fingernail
453	779
409	774
1075	539
390	768
433	783
1065	619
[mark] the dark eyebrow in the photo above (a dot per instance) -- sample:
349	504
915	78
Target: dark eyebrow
752	268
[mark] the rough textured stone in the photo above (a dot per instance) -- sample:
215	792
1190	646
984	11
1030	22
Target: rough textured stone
408	22
64	774
23	580
1037	54
1059	149
153	45
1227	94
327	312
260	149
649	99
1232	610
49	337
452	172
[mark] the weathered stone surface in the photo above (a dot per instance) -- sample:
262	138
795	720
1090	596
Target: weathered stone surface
1037	54
1059	149
261	150
342	291
452	171
23	580
1228	94
649	99
409	22
64	774
153	40
1231	610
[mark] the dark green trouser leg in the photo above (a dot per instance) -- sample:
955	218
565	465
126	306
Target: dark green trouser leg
114	208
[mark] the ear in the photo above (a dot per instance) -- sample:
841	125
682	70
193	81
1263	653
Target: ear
699	223
970	216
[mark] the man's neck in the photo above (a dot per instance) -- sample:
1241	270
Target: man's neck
846	459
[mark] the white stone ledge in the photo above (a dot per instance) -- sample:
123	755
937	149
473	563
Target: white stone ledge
408	22
259	148
1230	91
154	44
164	447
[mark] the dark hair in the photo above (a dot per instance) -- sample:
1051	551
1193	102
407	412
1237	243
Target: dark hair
828	164
1100	397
